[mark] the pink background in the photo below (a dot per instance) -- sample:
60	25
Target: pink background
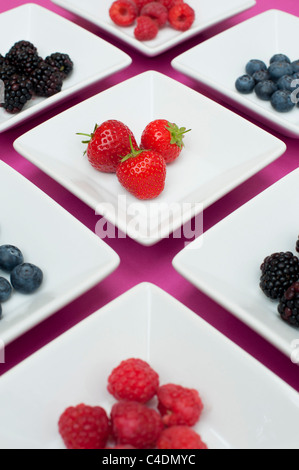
152	264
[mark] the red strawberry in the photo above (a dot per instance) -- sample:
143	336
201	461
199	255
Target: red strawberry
142	173
123	12
108	143
165	138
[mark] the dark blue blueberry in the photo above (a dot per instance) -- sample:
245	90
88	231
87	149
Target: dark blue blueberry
286	82
281	101
279	69
10	257
254	66
295	76
280	58
264	90
261	76
245	84
5	289
295	66
26	278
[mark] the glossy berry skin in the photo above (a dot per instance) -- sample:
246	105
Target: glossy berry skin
180	437
135	424
245	84
10	257
5	289
163	137
281	101
123	12
279	69
156	11
146	28
280	58
143	175
26	278
181	16
179	405
264	90
133	380
254	66
108	144
84	427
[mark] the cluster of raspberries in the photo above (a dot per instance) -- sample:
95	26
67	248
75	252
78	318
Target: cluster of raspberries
152	15
25	73
145	415
280	281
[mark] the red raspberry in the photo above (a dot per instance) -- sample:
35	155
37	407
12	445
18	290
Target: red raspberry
141	3
133	380
135	424
84	427
179	405
170	3
123	12
156	12
146	28
180	437
121	446
181	16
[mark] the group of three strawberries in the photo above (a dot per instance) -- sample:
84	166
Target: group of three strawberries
141	170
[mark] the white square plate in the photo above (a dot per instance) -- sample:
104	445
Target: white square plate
72	258
225	261
213	64
207	13
221	151
93	57
246	405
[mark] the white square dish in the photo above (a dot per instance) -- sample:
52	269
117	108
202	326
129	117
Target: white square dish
73	259
225	261
221	151
34	23
245	405
259	37
207	13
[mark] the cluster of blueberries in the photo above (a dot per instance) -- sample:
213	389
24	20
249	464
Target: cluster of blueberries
278	83
25	278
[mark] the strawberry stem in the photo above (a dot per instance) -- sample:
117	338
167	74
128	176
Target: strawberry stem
134	153
177	134
88	135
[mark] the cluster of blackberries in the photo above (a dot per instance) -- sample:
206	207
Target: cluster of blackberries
277	83
25	278
25	73
280	281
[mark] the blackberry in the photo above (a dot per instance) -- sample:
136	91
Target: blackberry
46	80
6	72
27	45
18	90
25	60
61	62
279	272
297	245
288	307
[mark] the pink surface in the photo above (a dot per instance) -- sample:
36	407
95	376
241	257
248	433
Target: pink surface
152	264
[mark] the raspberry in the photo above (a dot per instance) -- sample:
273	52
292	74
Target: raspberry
84	427
141	3
180	437
135	424
146	29
134	380
123	12
121	446
181	16
179	405
170	3
156	12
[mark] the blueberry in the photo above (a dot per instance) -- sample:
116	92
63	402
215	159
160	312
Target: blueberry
280	58
5	289
245	84
281	101
286	82
295	66
254	66
264	90
10	257
26	278
261	76
279	69
295	76
1	316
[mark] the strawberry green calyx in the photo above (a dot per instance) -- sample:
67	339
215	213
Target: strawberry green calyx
177	134
91	136
134	153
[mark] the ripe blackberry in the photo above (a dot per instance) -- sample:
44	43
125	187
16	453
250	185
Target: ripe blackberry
25	60
46	80
23	45
297	245
18	90
61	62
279	272
288	307
6	72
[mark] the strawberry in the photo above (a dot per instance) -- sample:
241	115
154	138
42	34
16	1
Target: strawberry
142	173
165	138
108	143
